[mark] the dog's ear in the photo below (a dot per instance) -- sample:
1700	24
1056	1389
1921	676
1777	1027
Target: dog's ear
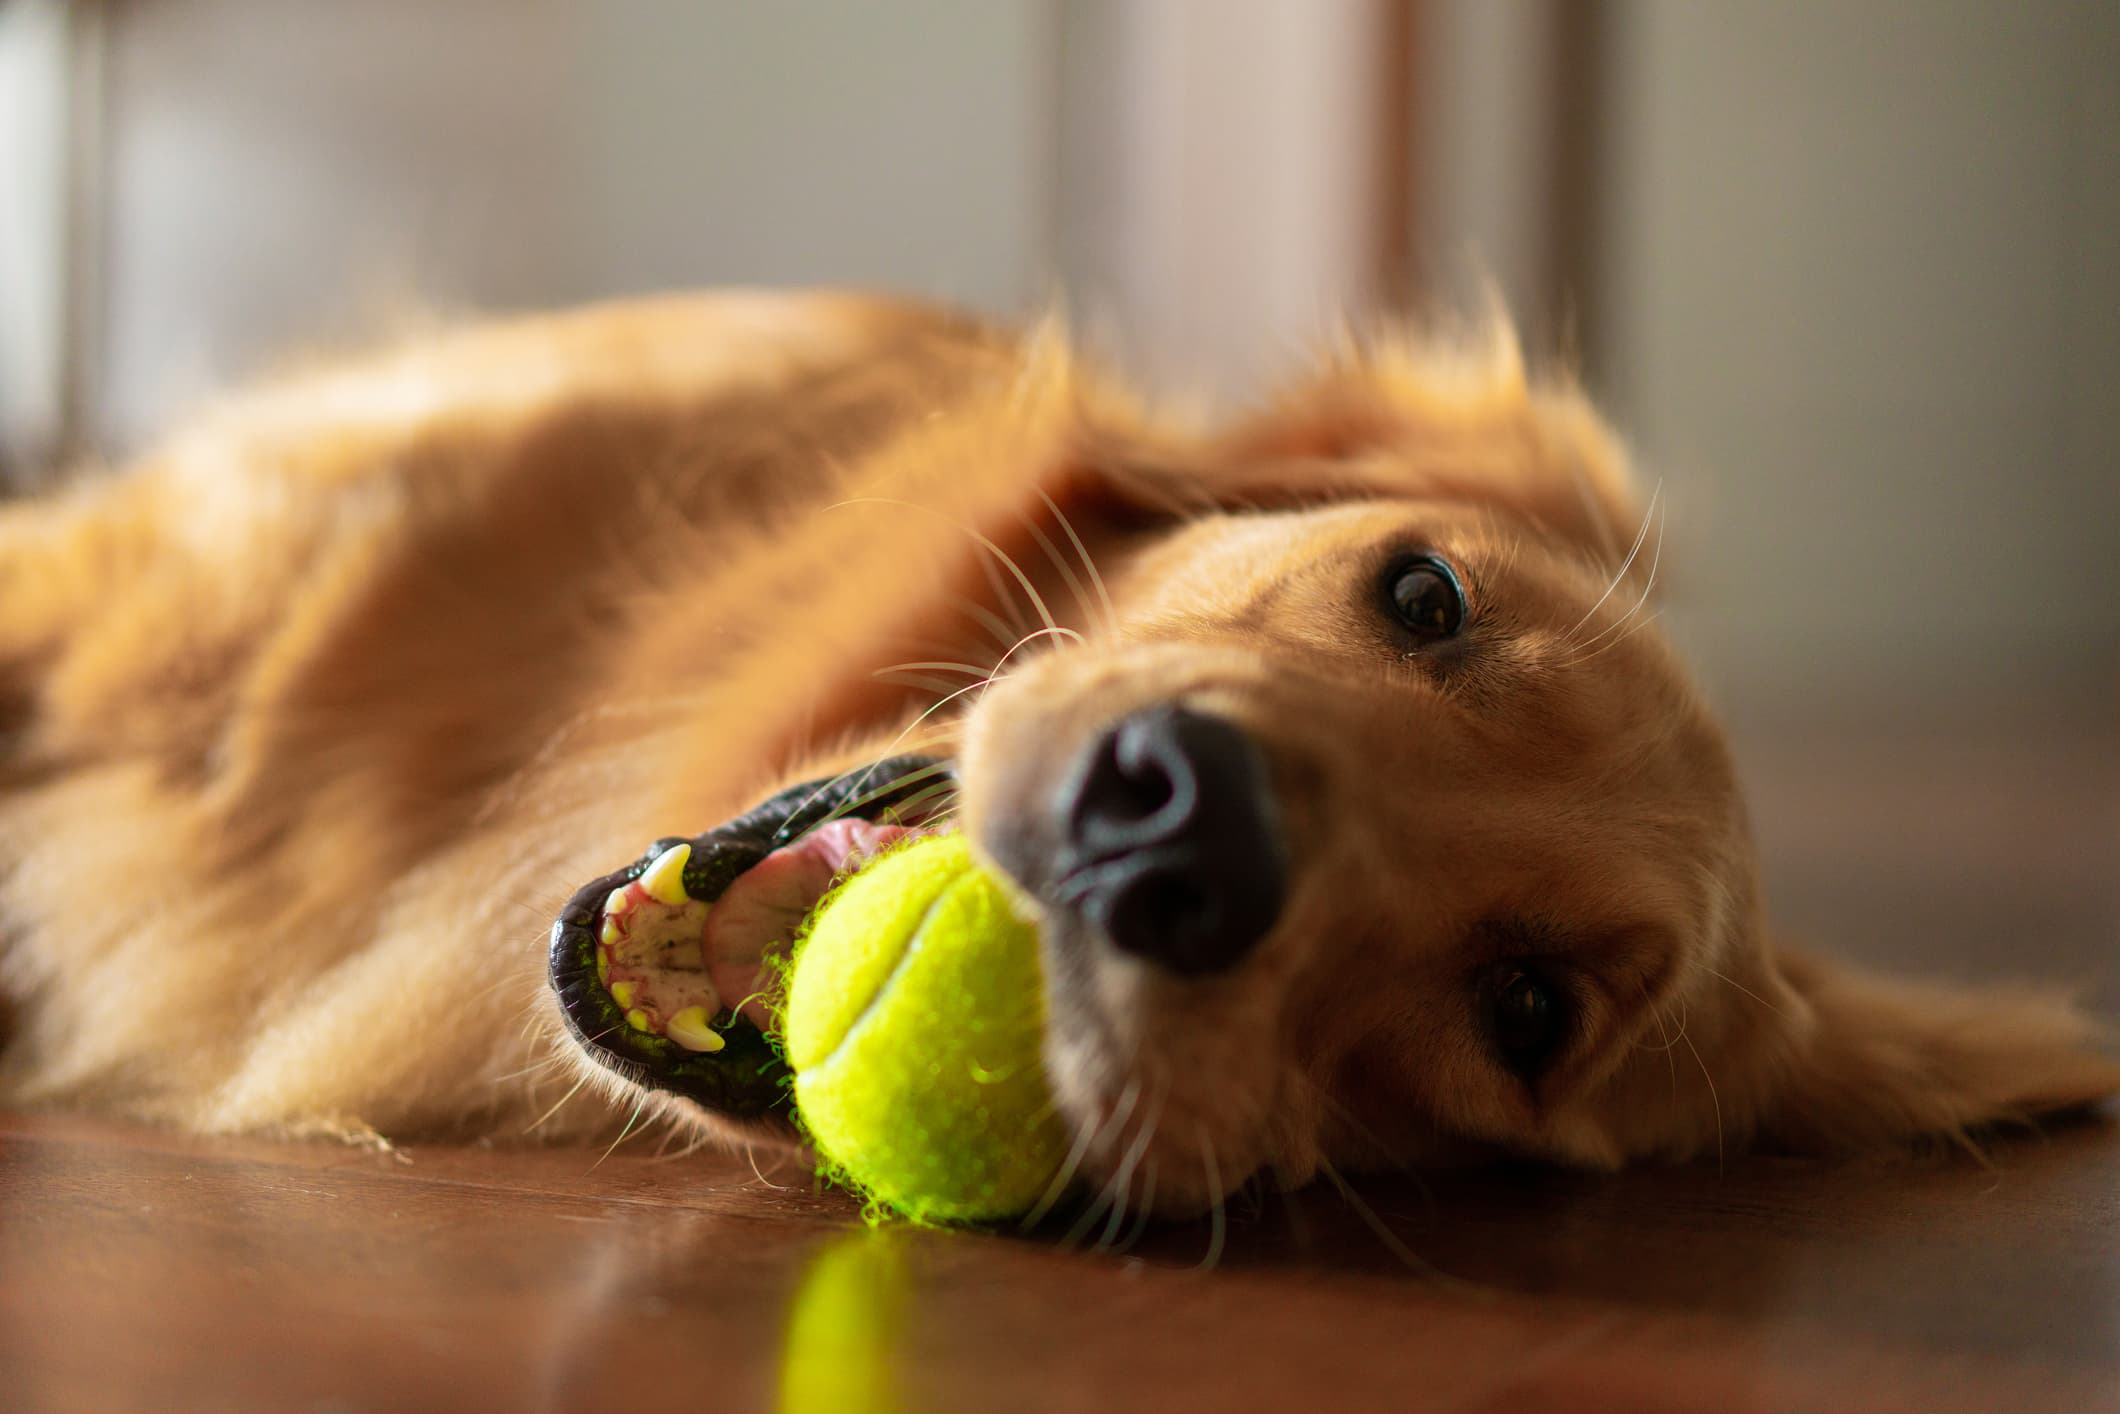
1456	421
1883	1061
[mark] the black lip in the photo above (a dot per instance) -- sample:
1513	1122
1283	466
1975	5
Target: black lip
747	1079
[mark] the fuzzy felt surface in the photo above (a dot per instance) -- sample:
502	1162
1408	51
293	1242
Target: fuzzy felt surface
914	1021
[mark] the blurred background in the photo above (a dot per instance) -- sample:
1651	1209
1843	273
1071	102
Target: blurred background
1847	275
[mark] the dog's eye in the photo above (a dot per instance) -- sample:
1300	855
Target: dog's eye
1424	595
1526	1018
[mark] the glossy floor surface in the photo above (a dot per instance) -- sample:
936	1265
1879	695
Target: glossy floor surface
142	1270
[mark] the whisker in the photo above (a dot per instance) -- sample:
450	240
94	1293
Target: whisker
869	769
932	647
1124	1178
1648	587
631	1120
1023	580
750	1153
920	674
676	1128
1713	1098
1097	1205
1217	1212
915	680
535	1066
937	666
908	807
937	771
535	910
1067	571
1590	507
1746	990
1089	566
1012	610
996	676
1122	1193
915	805
556	1104
1509	557
1114	1124
1639	625
1346	1116
1640	536
944	818
1663	1029
1068	1168
1672	1043
1145	1211
1376	1224
996	627
533	1016
1085	1138
1024	642
697	1143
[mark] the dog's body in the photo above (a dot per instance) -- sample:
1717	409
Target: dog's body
310	722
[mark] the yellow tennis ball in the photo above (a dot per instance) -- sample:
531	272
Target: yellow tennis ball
915	1014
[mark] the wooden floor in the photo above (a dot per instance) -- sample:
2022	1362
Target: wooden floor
141	1270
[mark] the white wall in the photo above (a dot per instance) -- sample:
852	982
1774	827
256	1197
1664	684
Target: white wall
1864	304
1219	210
1483	156
906	145
306	171
33	142
298	173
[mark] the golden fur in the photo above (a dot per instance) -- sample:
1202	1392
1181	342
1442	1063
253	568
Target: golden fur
310	720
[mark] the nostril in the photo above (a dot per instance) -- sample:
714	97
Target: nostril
1153	906
1139	789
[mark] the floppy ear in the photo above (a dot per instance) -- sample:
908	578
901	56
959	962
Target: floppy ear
1457	421
1887	1060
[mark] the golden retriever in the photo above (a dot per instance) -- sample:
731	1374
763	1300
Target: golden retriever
1368	817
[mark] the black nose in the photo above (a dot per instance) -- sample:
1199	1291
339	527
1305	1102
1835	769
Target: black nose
1172	845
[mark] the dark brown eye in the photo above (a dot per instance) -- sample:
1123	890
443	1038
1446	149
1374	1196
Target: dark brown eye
1424	596
1526	1018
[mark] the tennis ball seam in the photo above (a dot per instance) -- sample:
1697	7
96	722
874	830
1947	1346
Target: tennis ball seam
824	1065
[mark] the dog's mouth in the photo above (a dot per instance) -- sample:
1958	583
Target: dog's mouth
667	970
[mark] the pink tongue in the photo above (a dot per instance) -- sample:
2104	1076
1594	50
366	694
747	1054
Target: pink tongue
767	903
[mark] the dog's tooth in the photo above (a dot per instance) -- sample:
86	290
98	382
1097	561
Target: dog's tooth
617	903
622	993
665	880
638	1020
689	1029
609	933
603	968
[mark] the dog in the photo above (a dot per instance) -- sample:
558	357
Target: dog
1367	817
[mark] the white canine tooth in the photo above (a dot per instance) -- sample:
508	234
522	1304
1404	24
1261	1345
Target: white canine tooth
608	934
665	880
617	902
689	1029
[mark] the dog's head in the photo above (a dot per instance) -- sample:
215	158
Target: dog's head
1371	820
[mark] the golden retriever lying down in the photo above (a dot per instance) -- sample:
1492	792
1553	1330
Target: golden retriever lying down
1369	818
